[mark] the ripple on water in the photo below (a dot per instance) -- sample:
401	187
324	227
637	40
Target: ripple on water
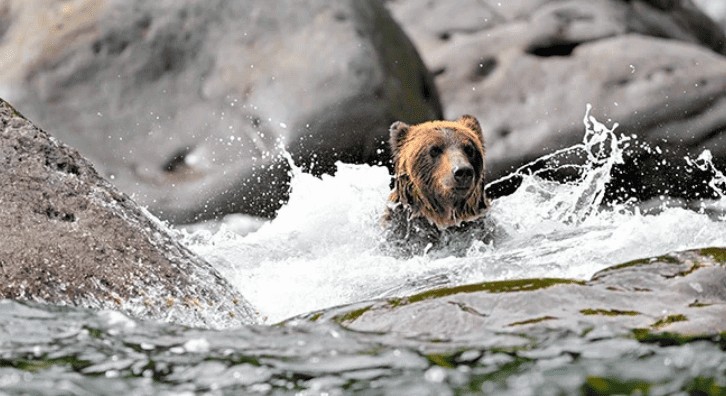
96	355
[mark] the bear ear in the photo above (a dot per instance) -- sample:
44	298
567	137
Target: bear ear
472	123
398	132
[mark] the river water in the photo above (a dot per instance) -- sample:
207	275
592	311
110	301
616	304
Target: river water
324	247
324	250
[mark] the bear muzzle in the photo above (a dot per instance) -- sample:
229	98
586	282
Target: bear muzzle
461	178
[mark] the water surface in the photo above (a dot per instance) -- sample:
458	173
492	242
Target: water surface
324	250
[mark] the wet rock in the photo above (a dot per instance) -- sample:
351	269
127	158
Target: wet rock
68	237
527	69
683	293
181	102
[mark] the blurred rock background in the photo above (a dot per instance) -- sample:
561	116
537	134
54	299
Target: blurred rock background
183	104
716	9
527	69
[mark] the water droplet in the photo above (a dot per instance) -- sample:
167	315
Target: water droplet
435	374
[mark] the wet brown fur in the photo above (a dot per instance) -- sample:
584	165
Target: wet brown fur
423	183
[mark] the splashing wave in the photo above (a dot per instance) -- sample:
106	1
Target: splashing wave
322	249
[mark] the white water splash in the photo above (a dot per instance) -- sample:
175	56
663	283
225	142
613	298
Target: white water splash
322	250
704	162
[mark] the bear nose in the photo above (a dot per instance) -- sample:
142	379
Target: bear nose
463	174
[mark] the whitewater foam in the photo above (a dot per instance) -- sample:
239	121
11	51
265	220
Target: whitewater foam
323	248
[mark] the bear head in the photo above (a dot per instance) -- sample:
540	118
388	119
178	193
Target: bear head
439	170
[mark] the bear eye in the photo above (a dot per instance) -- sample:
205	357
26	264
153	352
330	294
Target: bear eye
469	150
435	151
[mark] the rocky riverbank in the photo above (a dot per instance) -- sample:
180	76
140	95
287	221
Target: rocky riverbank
185	104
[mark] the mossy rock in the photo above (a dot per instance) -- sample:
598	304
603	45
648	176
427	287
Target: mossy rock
678	293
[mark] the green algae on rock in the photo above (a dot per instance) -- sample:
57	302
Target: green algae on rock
680	292
718	254
531	321
608	312
663	322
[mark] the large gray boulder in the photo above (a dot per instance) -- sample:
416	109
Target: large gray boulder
683	293
527	70
68	237
182	103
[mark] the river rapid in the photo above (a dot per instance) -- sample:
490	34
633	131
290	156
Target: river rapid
324	250
325	246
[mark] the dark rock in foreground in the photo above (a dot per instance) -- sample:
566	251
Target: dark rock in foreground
682	293
182	102
527	69
68	237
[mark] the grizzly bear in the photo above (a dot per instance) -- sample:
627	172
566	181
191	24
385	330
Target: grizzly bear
438	181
